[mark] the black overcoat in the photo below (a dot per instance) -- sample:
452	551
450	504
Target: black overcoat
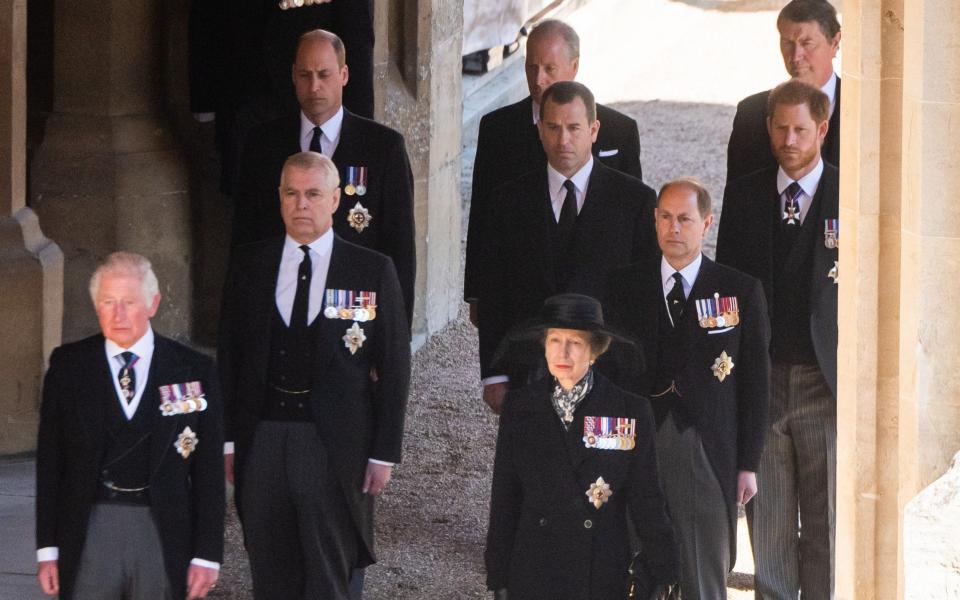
546	539
186	495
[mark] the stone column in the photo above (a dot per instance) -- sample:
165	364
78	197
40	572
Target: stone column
417	70
31	266
109	174
900	270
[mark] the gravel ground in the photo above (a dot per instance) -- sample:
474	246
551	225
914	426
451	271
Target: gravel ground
431	523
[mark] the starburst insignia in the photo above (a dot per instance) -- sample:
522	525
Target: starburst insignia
722	366
599	493
354	338
359	217
186	442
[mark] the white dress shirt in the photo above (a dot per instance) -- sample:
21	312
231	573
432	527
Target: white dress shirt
558	193
290	260
143	348
688	274
830	89
331	132
808	183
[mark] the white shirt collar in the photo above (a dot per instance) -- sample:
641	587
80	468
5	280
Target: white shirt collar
689	274
808	183
830	89
331	131
536	111
580	179
322	245
141	347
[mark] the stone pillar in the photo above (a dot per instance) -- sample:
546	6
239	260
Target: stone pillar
31	266
417	71
900	268
109	174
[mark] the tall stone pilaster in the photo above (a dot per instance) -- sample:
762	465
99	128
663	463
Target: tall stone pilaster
31	266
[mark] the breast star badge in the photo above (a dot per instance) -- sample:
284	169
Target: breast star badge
359	217
599	493
354	338
722	366
186	442
834	273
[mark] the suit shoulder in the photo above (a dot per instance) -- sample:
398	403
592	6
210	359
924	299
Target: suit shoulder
735	277
608	116
245	254
754	103
70	351
504	114
624	181
753	180
360	257
275	129
377	131
182	352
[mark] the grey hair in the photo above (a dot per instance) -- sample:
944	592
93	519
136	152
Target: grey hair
557	27
128	264
312	160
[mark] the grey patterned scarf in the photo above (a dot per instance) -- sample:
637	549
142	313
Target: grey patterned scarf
565	403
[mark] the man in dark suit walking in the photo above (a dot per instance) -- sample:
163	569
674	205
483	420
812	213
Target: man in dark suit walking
377	194
781	226
705	333
809	40
128	455
315	366
509	142
561	228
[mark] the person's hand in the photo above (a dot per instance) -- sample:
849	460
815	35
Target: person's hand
493	395
746	486
376	478
228	466
475	314
49	577
200	580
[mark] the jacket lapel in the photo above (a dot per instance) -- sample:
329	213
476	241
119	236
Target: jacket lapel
343	154
331	330
268	268
537	214
164	369
93	415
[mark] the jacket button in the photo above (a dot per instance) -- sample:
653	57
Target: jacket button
299	404
543	522
587	524
282	403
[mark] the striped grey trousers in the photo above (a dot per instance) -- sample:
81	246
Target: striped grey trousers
797	478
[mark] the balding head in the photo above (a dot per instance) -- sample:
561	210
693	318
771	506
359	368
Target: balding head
553	54
319	74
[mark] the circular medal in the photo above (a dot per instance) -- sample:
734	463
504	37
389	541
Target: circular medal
346	313
721	321
830	243
361	189
331	312
360	314
349	189
371	313
705	322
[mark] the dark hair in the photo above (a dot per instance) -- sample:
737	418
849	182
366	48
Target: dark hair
795	92
558	27
821	11
322	35
704	202
563	92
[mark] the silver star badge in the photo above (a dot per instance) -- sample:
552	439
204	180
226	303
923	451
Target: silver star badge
722	366
186	442
354	338
599	493
835	273
359	217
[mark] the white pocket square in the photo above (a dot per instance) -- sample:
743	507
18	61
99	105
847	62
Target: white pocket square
606	153
713	331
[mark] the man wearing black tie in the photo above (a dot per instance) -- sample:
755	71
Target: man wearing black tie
130	492
704	332
315	363
561	228
780	225
376	208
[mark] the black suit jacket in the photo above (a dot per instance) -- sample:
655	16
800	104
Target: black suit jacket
389	197
749	146
614	228
745	242
509	146
186	495
546	540
357	418
730	415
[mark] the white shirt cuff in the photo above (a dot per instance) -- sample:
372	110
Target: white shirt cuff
381	462
48	553
206	563
228	447
494	379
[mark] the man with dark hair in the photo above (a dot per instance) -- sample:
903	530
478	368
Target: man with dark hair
130	492
509	145
704	332
314	358
781	225
560	228
377	207
809	40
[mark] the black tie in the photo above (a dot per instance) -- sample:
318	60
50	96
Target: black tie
568	216
298	316
315	140
127	376
676	299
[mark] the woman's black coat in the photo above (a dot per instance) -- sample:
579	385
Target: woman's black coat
546	539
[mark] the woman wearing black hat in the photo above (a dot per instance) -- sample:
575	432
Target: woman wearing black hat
575	456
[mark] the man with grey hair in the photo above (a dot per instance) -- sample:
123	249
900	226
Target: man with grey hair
509	143
314	360
128	454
